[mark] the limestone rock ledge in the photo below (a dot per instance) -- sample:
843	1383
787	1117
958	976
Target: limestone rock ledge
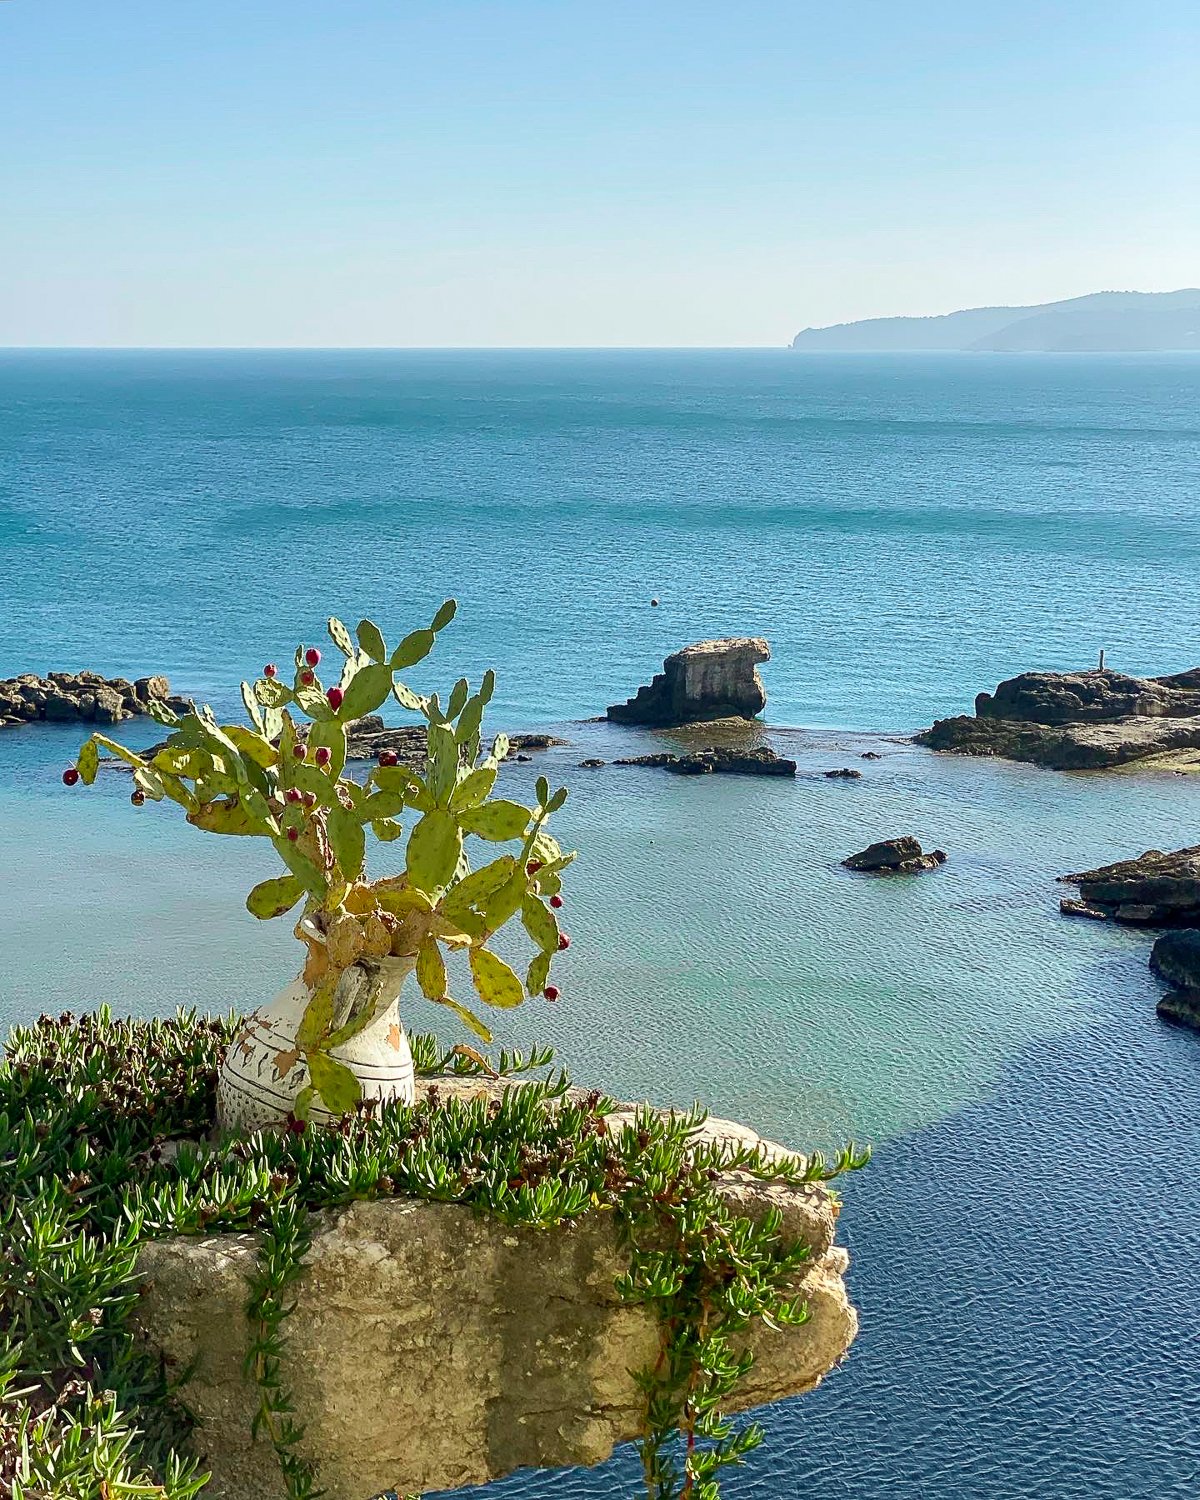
708	680
432	1347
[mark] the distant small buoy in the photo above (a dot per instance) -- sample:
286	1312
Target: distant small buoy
654	602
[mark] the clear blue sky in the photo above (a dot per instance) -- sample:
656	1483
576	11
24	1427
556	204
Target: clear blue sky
440	172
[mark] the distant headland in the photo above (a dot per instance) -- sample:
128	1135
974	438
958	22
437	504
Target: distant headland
1104	322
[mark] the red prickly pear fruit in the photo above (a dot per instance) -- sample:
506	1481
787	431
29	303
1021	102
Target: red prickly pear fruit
310	799
270	669
322	755
533	866
293	834
563	940
551	992
307	679
556	902
388	758
137	798
312	656
335	696
70	776
300	751
292	794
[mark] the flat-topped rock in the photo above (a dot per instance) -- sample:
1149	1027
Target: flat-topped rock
1175	958
708	680
898	856
1075	721
369	737
80	697
759	760
1157	889
431	1347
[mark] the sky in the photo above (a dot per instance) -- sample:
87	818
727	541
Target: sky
497	173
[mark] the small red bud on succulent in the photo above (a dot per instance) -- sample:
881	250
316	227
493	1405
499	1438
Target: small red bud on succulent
307	679
310	799
70	776
270	669
322	755
137	798
533	866
551	992
388	758
556	902
312	656
335	696
563	940
293	834
295	1126
300	751
292	794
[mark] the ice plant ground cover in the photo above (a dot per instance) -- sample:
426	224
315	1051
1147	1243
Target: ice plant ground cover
86	1106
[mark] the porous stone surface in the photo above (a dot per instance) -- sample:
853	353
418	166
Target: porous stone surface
898	856
707	680
1157	889
758	760
431	1347
1072	721
79	697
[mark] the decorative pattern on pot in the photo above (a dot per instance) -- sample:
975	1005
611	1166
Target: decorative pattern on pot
265	1070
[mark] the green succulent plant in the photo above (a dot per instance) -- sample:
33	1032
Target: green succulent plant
282	778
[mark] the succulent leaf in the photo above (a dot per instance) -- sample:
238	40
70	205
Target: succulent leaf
340	636
413	648
478	886
366	692
271	693
346	839
431	970
494	981
496	821
467	1017
313	702
538	921
382	804
386	831
87	762
271	898
336	1084
406	698
473	789
537	976
329	735
434	847
252	708
370	638
459	694
444	615
298	862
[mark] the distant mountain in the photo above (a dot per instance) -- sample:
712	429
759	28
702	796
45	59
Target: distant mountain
1103	322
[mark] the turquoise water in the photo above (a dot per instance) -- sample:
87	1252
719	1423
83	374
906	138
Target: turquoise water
1027	1243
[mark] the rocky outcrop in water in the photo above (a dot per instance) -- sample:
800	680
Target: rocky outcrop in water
1156	889
80	697
899	856
431	1347
369	737
761	760
1176	958
708	680
1071	721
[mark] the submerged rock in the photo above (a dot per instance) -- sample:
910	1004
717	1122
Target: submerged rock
898	856
1071	721
708	680
433	1347
1156	889
844	773
761	760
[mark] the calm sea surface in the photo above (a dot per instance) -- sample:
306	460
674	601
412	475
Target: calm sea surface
1026	1244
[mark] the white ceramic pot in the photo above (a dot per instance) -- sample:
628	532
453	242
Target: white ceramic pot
263	1072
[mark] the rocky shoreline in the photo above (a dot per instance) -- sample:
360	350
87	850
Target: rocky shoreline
81	698
1081	721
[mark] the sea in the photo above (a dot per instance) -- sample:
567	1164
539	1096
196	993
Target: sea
905	530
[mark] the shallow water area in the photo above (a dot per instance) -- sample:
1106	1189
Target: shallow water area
1026	1243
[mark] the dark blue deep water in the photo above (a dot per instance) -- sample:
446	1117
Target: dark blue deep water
1026	1245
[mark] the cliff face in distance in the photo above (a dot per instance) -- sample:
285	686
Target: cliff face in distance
1104	322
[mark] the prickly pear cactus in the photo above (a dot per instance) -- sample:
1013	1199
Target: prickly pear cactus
282	778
